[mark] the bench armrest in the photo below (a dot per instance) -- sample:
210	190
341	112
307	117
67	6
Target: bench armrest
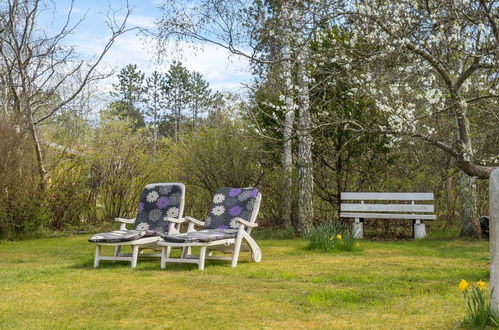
247	223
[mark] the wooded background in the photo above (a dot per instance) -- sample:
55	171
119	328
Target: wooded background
347	96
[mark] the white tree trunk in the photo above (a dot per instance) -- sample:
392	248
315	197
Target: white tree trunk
287	160
304	161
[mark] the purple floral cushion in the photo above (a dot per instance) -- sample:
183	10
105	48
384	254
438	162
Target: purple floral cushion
157	201
229	204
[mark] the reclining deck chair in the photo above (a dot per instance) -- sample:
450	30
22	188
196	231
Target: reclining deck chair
231	217
158	201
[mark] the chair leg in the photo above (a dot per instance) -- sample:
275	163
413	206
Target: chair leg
202	257
256	252
117	250
97	256
184	253
135	254
164	254
237	248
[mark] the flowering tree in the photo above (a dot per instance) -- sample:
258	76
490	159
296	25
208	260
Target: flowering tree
433	65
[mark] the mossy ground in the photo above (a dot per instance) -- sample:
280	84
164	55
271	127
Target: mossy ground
50	283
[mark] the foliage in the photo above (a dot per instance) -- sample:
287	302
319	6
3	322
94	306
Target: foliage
122	163
70	200
479	313
331	236
213	157
22	207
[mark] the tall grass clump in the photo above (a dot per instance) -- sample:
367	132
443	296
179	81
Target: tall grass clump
331	236
478	311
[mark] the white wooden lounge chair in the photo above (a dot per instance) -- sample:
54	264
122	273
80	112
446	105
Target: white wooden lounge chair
230	220
158	201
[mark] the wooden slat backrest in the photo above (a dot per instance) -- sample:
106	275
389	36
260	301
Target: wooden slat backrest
403	196
387	207
363	209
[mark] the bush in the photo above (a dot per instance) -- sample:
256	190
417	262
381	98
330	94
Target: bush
209	158
22	206
331	236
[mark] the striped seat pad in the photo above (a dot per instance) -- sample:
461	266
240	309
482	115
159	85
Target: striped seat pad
118	236
206	235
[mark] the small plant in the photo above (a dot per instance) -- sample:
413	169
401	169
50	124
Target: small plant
331	236
479	313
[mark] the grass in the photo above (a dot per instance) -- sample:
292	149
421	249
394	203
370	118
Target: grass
50	283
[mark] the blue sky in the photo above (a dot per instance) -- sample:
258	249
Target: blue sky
222	71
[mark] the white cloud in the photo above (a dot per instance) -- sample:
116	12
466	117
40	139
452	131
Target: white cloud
221	69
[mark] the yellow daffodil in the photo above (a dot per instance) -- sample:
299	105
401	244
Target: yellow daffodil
339	236
463	285
480	285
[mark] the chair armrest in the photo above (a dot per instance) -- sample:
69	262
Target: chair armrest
174	220
123	220
247	223
195	221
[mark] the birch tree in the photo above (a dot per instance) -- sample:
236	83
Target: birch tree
239	26
431	64
304	161
287	35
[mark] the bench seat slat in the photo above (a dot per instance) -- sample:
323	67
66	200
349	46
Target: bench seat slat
397	196
388	216
387	207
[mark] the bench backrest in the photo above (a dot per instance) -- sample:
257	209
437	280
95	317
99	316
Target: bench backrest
409	209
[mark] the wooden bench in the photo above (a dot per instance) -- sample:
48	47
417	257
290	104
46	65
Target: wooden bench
409	210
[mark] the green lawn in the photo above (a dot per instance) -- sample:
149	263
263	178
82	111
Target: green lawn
50	283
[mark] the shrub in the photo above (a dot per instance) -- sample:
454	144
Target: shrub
22	206
331	236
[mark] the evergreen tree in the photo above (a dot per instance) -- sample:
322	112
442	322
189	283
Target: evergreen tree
176	89
129	91
155	102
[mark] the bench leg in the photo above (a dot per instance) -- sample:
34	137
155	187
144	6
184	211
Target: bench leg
358	228
419	229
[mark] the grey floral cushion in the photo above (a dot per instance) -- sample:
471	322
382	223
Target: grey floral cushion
121	236
157	201
206	235
229	204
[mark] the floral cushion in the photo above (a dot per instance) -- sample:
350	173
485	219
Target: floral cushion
229	204
206	235
157	201
118	236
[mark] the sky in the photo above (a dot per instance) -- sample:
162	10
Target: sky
223	71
